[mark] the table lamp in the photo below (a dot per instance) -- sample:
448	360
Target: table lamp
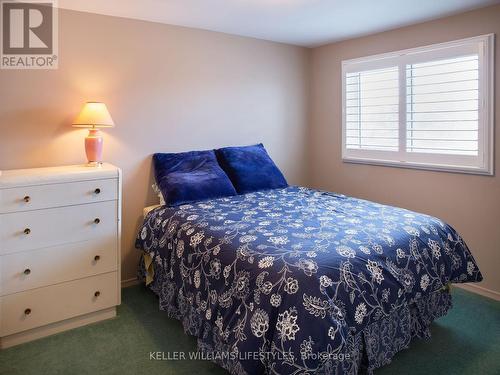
94	115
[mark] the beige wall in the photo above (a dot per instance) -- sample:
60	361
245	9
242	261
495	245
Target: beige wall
168	89
470	203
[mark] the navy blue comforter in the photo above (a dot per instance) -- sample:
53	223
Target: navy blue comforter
294	273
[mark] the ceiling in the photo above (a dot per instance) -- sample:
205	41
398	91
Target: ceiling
301	22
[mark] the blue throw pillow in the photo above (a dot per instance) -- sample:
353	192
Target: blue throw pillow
190	177
250	168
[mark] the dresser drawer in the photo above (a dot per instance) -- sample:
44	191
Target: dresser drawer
21	231
37	268
38	307
57	195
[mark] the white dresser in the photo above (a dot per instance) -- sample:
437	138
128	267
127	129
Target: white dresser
59	249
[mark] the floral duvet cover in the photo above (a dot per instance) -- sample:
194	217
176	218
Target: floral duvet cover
285	281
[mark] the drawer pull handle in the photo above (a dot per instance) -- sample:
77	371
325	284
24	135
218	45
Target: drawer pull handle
97	257
27	271
27	198
97	220
27	311
97	191
97	294
27	231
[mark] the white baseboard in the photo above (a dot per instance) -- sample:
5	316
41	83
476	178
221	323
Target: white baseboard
130	282
480	290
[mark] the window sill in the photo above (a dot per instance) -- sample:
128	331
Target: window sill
421	166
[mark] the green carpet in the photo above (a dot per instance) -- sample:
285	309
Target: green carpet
466	341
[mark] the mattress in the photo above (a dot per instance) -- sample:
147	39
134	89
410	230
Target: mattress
301	280
148	209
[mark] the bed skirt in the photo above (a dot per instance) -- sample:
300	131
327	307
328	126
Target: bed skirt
367	350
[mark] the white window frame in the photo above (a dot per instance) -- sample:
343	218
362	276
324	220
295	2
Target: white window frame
482	163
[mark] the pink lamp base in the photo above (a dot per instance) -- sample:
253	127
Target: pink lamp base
93	147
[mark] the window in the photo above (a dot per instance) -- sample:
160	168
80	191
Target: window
429	107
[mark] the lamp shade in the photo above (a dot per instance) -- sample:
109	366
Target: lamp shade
94	115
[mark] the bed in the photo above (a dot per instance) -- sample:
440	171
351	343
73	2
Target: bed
301	281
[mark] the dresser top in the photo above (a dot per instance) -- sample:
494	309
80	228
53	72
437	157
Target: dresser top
50	175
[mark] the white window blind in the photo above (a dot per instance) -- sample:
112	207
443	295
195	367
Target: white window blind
442	113
429	107
372	108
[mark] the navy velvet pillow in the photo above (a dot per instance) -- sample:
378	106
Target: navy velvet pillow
190	177
250	168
